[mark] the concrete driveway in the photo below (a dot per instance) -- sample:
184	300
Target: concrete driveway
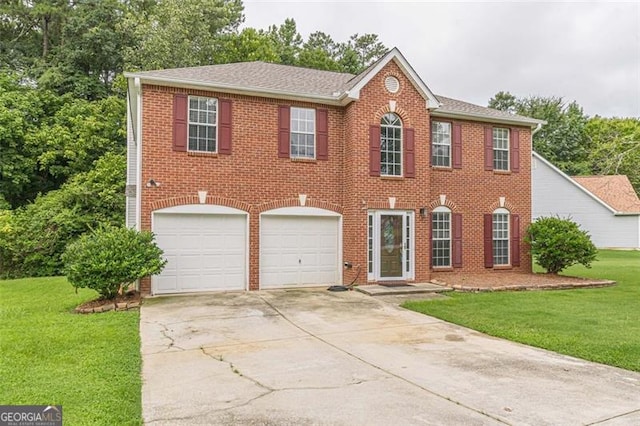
302	357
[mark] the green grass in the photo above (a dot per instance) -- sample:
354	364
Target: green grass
601	325
89	364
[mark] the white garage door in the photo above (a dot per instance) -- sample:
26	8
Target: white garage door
298	251
205	252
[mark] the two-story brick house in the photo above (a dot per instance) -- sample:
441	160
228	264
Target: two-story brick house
256	175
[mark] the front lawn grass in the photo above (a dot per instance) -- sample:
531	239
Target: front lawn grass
89	364
601	325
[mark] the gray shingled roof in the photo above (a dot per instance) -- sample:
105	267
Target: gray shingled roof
260	75
285	79
455	106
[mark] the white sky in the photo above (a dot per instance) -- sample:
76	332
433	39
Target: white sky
587	52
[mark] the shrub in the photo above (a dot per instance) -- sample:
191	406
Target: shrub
558	243
110	258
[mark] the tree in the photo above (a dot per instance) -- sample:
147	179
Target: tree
180	33
33	237
562	140
558	243
89	56
319	52
615	147
46	138
249	45
504	101
360	52
288	42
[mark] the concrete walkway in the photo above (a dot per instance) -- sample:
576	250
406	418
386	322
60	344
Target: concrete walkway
304	357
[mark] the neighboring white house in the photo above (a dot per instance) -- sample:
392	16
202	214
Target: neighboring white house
606	206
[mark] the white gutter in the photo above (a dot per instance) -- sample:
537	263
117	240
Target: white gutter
138	87
487	118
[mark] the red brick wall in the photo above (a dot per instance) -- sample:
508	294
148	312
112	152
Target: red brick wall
364	192
254	179
473	192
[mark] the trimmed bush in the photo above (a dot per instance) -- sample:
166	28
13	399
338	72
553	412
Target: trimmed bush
558	243
110	258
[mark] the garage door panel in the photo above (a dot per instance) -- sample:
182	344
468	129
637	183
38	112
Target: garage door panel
205	252
299	250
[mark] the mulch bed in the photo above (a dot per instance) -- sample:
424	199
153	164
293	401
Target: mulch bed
122	302
514	281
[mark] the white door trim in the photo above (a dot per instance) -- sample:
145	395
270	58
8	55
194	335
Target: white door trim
407	215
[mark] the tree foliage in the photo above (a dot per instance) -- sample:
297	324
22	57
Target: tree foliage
181	33
558	243
33	237
616	147
563	140
110	258
45	138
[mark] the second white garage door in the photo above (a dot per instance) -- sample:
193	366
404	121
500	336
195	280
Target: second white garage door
205	252
299	251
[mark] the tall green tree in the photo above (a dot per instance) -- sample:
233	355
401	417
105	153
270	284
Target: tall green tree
319	52
563	140
90	53
248	45
180	33
29	29
288	42
615	147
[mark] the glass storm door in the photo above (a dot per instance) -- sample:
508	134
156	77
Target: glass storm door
390	245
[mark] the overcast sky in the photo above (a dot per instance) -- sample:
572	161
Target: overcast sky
587	52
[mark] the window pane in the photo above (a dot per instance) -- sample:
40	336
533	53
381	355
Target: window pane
500	239
441	239
302	132
391	145
441	143
202	120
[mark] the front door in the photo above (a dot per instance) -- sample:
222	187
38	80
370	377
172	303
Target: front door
390	245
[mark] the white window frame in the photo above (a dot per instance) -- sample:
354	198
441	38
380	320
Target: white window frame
501	143
203	124
437	211
391	126
505	237
373	236
299	121
435	145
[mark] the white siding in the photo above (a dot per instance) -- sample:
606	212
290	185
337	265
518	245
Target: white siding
554	194
132	169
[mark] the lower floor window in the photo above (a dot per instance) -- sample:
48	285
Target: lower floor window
500	238
441	239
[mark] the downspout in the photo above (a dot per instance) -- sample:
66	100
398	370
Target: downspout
536	130
138	133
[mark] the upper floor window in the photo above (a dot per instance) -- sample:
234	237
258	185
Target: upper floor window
441	237
203	124
441	144
390	145
500	237
303	132
500	148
